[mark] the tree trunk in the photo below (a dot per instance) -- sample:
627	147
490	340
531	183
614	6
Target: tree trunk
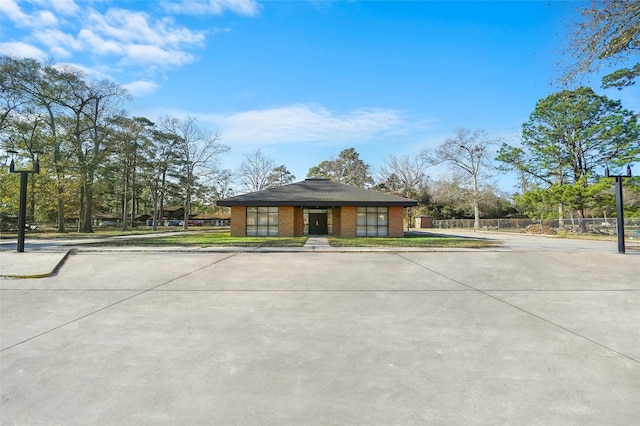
154	219
476	215
125	208
61	225
560	216
133	196
581	223
87	216
475	201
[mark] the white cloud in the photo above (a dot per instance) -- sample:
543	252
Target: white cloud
212	7
153	55
22	50
135	38
40	18
137	27
65	7
11	9
140	88
60	44
304	123
139	39
98	45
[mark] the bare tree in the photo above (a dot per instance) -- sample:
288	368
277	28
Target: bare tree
198	150
467	152
404	176
408	173
254	170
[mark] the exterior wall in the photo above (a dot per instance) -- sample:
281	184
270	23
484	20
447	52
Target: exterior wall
337	224
396	222
290	221
238	221
347	222
286	221
424	222
298	221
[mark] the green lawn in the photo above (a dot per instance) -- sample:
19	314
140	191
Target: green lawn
411	240
206	239
222	238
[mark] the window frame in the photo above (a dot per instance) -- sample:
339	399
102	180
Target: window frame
372	222
262	221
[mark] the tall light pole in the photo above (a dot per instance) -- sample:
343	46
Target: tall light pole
619	206
22	210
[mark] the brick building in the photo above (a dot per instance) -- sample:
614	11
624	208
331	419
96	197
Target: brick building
317	207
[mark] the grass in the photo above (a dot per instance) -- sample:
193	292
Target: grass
411	240
97	233
204	239
216	237
224	239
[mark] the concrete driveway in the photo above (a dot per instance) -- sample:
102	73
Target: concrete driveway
475	337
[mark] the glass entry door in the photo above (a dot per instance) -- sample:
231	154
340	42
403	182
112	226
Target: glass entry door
318	224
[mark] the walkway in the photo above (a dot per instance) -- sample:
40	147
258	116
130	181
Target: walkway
317	241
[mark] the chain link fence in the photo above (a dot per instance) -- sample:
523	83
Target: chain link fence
602	226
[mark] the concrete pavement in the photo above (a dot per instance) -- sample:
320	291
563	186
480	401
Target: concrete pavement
501	336
43	257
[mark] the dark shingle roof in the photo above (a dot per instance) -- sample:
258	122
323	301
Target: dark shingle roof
317	193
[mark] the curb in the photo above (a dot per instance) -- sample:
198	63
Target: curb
53	271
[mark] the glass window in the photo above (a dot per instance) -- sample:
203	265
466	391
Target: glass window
372	222
262	221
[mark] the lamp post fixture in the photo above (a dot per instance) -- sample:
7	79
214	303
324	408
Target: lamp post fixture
22	211
619	206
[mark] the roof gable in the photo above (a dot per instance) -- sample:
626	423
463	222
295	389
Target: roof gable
317	192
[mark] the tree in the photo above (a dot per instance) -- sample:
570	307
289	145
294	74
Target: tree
348	168
197	151
131	142
41	89
221	187
448	200
467	153
404	176
254	170
279	176
161	160
93	105
608	34
569	138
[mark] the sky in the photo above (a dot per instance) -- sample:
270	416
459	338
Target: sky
302	80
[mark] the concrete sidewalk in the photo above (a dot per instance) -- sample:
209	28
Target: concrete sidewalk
34	264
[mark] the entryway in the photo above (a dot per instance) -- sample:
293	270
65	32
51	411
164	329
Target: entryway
318	224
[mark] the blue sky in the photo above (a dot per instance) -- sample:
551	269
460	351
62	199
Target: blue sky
303	80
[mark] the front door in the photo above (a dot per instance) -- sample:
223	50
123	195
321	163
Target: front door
318	224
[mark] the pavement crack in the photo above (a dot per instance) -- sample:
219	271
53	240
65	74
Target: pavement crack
104	308
554	324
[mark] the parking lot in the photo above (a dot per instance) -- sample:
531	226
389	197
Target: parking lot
471	337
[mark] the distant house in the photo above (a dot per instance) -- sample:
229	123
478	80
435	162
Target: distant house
317	207
221	219
173	212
